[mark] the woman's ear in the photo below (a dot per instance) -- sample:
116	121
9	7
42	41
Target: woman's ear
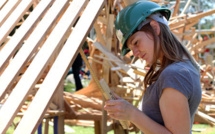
156	27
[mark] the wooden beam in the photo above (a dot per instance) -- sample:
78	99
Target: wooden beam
202	44
128	2
185	8
46	129
96	116
84	101
7	10
127	69
191	32
97	127
98	33
161	1
109	95
2	3
60	67
193	18
26	28
210	119
68	109
190	41
59	101
30	46
29	79
176	9
12	20
91	90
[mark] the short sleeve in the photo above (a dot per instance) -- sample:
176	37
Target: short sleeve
178	78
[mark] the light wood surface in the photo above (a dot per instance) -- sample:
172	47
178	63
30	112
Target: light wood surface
8	9
20	92
59	68
14	43
2	3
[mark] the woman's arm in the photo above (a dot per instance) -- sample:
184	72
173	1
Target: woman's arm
171	102
122	110
175	111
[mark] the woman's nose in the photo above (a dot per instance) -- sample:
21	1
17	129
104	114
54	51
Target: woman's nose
135	52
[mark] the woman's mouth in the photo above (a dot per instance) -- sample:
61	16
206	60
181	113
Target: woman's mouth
143	56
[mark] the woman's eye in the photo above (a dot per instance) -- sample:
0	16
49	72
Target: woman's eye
135	43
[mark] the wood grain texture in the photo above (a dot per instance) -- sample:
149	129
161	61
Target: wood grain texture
59	69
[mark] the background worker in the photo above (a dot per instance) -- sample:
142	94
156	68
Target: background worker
172	84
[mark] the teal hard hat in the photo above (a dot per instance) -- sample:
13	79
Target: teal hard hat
129	18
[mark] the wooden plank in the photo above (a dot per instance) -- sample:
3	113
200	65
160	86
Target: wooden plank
30	46
88	116
70	111
185	8
84	101
18	95
97	127
185	27
188	26
14	17
106	68
190	41
23	32
191	32
109	95
98	33
205	116
203	44
46	130
127	69
59	69
60	125
160	1
193	18
128	2
7	10
59	100
2	3
109	36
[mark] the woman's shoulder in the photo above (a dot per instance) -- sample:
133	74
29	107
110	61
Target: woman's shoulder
177	67
180	76
180	69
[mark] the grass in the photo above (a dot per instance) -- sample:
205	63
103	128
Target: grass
70	87
207	129
90	130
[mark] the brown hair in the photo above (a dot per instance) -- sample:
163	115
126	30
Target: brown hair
172	51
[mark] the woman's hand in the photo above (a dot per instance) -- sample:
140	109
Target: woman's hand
119	109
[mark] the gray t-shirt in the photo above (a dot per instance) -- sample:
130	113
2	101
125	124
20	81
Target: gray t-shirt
181	76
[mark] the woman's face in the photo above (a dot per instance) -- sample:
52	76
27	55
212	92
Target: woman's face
142	46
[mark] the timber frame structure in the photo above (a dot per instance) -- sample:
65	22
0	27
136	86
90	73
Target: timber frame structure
39	40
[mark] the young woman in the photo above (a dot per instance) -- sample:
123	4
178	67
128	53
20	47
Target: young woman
173	90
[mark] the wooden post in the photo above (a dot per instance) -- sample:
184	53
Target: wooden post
177	4
46	130
97	125
59	101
